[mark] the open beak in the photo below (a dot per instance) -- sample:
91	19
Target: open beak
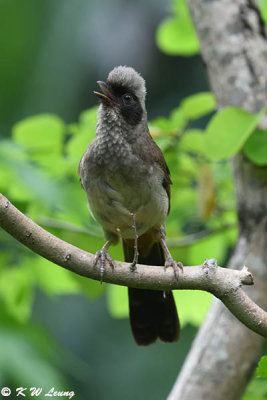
106	97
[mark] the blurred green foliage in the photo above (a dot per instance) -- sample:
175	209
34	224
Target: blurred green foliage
256	147
263	9
38	173
229	131
28	355
262	368
176	34
257	388
240	124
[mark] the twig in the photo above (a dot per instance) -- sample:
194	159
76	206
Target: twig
67	226
188	240
183	241
223	283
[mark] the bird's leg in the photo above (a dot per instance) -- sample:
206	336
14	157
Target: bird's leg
135	259
103	256
170	262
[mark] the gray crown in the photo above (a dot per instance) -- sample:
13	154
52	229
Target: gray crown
128	77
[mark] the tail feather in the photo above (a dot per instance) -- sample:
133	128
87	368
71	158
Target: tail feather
152	312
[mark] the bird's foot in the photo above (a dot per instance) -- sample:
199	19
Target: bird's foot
170	262
133	266
102	256
135	260
136	254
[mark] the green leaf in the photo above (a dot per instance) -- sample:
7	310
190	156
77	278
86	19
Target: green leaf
256	147
29	181
55	164
88	118
54	280
193	141
173	124
78	144
198	105
262	368
227	132
192	306
84	133
163	124
177	37
263	9
62	281
118	301
42	133
89	287
164	142
188	166
72	129
16	288
213	246
256	390
178	119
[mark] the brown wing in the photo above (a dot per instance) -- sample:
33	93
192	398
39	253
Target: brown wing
150	152
159	158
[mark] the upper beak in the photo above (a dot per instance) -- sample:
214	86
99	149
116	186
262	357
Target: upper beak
106	97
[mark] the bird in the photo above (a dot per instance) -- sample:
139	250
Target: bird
127	182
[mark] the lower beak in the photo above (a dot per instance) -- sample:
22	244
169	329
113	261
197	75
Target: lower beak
105	97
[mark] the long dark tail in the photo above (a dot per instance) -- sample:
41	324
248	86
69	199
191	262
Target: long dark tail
152	314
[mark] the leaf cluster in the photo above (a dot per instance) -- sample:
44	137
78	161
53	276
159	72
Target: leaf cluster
39	174
176	34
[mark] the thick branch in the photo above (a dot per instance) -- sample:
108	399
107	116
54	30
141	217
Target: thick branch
234	47
223	283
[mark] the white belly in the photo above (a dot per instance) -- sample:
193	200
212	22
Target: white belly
112	201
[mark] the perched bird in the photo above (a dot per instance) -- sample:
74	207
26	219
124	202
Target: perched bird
127	182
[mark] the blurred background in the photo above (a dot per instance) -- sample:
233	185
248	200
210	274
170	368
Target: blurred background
57	329
52	53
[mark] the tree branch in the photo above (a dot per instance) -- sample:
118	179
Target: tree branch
234	47
188	240
223	283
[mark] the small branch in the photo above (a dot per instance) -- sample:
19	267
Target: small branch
223	283
183	241
67	226
188	240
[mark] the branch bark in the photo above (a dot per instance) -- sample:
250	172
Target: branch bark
234	47
225	284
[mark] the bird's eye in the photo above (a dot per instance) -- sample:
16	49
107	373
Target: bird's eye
128	98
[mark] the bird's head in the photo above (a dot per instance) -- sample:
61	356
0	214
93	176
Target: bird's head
123	94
